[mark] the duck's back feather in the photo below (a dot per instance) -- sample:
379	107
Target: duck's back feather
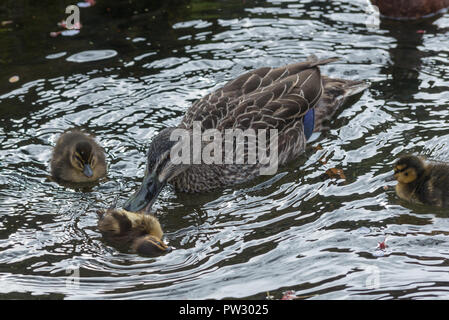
262	98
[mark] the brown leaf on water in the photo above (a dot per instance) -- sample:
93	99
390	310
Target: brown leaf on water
14	79
335	173
323	160
289	295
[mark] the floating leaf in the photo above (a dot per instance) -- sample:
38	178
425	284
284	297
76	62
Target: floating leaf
318	147
336	173
289	295
323	160
75	26
14	79
382	245
6	22
54	34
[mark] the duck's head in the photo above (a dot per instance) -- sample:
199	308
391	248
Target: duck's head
84	158
408	169
159	170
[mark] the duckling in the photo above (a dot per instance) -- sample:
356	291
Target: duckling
410	9
78	158
138	231
422	182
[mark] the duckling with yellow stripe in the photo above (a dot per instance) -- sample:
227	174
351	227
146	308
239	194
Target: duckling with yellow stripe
140	232
421	181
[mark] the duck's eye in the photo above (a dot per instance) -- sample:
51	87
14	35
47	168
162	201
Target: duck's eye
406	174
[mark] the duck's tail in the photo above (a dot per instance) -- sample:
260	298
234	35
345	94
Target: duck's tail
336	93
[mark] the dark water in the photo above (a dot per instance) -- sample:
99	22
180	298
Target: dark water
299	230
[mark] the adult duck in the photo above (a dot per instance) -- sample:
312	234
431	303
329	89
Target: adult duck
294	100
410	9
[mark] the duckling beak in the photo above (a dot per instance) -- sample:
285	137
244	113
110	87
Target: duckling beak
88	171
144	198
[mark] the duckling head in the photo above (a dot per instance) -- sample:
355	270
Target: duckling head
150	246
408	169
141	232
84	158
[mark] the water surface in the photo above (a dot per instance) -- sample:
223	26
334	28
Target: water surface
134	69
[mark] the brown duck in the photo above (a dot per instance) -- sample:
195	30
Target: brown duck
294	99
77	158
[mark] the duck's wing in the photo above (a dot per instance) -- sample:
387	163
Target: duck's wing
336	93
265	97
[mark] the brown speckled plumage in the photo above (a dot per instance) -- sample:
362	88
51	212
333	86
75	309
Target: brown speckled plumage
265	98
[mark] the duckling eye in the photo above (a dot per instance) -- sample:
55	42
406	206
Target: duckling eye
406	173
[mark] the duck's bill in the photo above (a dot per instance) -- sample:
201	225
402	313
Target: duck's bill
88	172
144	198
390	178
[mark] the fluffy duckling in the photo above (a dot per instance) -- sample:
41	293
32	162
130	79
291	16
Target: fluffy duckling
138	231
77	157
422	182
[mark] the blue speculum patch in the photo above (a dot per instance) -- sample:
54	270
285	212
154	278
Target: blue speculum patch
309	123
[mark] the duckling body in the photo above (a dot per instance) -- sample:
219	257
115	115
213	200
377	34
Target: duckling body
294	100
422	182
77	158
410	9
140	232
